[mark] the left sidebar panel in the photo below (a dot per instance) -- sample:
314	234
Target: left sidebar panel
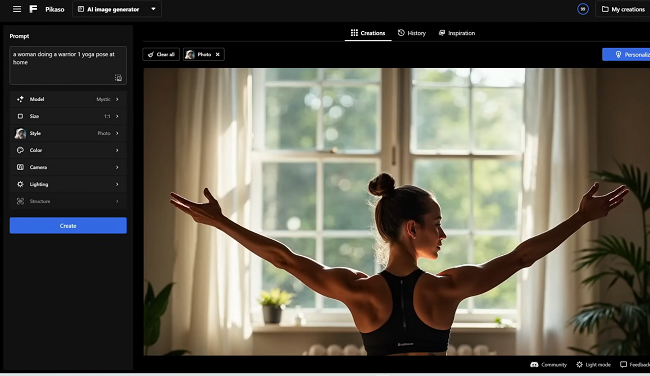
67	189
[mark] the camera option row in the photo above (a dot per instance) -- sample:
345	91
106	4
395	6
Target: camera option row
68	167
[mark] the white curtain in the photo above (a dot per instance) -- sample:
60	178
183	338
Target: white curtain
560	130
211	300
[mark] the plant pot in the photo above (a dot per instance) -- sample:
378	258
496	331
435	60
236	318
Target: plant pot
272	314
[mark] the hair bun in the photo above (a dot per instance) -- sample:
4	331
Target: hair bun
382	185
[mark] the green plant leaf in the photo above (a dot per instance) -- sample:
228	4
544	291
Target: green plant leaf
150	294
589	317
625	276
151	332
617	346
275	297
614	246
159	304
581	351
631	318
177	353
631	313
595	278
590	257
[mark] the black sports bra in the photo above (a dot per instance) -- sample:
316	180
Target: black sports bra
404	332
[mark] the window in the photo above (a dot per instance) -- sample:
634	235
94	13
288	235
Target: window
466	145
321	134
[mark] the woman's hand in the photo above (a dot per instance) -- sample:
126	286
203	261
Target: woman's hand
208	213
596	207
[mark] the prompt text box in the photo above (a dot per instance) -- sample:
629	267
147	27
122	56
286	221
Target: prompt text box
67	65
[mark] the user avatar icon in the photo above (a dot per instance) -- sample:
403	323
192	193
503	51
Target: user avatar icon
189	55
21	134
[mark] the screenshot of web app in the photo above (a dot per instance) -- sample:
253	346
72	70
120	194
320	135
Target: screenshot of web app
192	186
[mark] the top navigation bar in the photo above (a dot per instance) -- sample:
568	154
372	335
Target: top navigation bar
205	35
336	11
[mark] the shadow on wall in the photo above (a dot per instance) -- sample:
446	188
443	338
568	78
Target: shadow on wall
160	90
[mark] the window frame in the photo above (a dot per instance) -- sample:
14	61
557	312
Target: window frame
409	157
395	157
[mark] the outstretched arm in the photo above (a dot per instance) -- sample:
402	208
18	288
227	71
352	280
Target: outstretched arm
335	283
470	280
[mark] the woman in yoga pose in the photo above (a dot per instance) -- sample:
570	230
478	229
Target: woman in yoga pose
404	310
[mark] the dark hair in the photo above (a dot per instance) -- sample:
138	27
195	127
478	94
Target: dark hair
396	206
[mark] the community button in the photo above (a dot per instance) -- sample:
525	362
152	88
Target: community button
81	225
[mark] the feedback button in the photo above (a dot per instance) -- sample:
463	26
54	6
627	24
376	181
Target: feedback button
52	225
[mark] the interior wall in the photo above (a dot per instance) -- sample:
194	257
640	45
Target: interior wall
159	117
623	133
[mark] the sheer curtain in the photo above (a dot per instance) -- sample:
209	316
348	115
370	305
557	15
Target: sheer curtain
560	144
211	303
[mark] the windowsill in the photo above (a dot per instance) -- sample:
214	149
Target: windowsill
473	328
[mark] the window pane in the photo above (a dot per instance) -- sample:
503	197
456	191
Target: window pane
291	117
498	119
454	252
497	185
336	74
505	295
449	182
351	117
355	253
291	74
447	76
346	196
289	196
498	77
273	277
441	119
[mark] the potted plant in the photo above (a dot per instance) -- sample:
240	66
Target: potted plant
154	307
273	303
629	265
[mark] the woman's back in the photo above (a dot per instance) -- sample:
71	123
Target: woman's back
403	313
